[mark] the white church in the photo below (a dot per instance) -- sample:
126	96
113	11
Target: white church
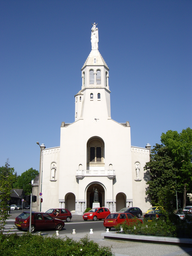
95	152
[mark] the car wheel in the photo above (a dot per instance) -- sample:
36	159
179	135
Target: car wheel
32	228
59	227
95	218
68	219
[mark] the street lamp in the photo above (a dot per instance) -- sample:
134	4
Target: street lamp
42	147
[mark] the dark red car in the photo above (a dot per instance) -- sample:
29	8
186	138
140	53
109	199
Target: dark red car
59	213
114	219
96	213
39	221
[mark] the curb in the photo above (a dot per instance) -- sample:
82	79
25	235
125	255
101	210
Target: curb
157	239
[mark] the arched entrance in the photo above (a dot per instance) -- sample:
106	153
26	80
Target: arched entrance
90	194
120	201
70	202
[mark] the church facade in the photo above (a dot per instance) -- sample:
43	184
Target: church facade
95	152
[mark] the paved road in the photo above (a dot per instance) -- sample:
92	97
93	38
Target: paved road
119	247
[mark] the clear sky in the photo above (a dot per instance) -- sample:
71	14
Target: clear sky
147	45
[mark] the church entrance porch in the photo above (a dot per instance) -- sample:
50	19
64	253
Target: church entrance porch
95	196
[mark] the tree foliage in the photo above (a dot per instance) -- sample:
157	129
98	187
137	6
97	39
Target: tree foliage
170	167
180	149
7	177
24	180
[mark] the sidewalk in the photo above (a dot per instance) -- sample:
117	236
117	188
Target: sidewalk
132	248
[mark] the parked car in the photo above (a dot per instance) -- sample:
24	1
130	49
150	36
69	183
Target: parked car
154	215
136	211
114	219
13	207
188	209
181	214
60	213
96	213
154	208
39	221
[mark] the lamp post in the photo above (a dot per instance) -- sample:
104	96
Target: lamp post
42	147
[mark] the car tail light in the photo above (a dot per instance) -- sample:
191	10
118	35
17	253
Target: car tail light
157	216
25	221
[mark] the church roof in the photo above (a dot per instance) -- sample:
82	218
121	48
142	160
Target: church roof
95	59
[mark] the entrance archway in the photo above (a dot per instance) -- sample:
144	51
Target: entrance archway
70	202
120	201
90	194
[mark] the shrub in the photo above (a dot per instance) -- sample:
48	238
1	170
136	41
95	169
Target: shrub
87	210
29	245
170	226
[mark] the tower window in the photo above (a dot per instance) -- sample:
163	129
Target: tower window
84	78
91	76
91	96
98	96
106	79
98	76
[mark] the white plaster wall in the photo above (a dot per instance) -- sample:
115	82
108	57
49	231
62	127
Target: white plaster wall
50	188
141	155
94	108
73	150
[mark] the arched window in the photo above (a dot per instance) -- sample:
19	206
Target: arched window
95	153
98	76
83	78
98	96
106	79
91	76
91	96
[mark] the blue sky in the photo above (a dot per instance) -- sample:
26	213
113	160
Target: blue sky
147	45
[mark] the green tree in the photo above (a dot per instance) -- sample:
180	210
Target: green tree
24	180
180	147
161	177
170	168
7	178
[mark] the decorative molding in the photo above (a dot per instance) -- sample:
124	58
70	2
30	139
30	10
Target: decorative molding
80	174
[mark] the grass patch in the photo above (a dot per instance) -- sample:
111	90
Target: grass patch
29	244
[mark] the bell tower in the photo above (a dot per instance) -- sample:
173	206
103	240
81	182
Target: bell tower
93	100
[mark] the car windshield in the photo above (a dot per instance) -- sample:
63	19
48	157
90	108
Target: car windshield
93	210
152	208
112	216
123	210
50	211
180	211
24	215
187	207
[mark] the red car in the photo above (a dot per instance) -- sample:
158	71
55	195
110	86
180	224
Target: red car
39	221
114	219
59	213
96	213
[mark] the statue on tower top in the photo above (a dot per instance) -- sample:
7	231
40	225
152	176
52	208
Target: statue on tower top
94	37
